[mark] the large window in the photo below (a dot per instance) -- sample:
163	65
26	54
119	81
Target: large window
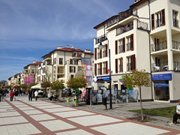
158	19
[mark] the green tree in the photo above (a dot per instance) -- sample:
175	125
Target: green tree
137	79
76	83
58	85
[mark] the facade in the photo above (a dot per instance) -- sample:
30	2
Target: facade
15	80
144	37
29	73
64	63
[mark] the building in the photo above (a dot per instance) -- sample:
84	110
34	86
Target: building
29	73
64	63
144	37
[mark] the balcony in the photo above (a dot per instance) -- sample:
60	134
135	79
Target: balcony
100	39
176	45
159	47
142	25
124	29
164	67
121	16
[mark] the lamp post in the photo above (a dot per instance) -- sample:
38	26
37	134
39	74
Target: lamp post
110	91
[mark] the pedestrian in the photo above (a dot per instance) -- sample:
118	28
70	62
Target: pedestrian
104	98
30	95
16	94
0	94
11	95
177	113
36	94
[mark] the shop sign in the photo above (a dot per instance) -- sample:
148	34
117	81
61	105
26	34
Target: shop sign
156	77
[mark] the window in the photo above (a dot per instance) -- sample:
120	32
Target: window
122	45
100	69
60	61
105	51
158	19
105	67
121	64
130	43
116	65
131	63
72	69
95	69
175	20
61	70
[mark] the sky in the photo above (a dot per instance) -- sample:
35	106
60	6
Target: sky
30	29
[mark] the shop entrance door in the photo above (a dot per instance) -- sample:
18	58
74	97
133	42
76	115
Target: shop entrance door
161	90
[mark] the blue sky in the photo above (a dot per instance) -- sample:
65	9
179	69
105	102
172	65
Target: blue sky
30	29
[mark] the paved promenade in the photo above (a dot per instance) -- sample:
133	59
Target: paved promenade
46	118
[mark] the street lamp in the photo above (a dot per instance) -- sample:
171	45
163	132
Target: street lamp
110	91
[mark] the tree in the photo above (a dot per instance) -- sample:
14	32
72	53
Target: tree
58	85
76	83
137	79
46	84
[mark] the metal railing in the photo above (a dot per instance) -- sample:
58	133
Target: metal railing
142	25
164	67
158	47
176	45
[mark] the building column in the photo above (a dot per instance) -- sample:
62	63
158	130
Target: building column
168	13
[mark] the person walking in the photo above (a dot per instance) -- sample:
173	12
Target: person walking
177	113
36	94
11	95
105	96
30	95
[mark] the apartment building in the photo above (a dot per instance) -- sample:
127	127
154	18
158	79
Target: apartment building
64	63
29	73
15	80
44	72
144	37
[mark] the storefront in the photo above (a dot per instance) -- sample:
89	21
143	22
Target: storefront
161	86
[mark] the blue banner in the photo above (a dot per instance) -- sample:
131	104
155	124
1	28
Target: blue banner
157	77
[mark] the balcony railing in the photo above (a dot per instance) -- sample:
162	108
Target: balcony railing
160	46
164	67
100	39
176	45
121	16
124	29
142	25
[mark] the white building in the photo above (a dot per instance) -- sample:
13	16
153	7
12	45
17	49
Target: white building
146	36
64	63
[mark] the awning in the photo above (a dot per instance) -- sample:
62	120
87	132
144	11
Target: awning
37	86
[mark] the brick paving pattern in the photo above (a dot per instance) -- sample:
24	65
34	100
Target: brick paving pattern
22	117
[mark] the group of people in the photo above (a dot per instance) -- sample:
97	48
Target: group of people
33	93
3	93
